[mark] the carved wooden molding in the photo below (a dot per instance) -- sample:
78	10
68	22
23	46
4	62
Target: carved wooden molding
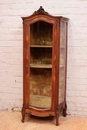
40	11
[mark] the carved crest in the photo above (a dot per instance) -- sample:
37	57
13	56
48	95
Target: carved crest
40	11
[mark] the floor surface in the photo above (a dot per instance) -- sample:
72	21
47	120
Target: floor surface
12	121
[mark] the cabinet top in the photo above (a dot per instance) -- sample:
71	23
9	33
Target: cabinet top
41	12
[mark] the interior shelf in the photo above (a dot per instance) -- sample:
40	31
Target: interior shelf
40	65
40	46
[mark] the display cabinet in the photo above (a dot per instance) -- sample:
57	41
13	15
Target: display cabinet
44	64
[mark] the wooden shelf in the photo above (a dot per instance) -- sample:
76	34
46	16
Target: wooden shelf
41	46
62	66
62	47
40	65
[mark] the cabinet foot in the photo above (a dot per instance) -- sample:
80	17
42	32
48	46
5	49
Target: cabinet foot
23	115
57	118
57	124
22	120
64	111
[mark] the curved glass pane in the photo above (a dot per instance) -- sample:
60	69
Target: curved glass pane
40	64
62	61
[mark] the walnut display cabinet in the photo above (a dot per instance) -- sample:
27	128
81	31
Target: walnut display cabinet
44	64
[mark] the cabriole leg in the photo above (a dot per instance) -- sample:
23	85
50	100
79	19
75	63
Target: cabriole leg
64	110
57	117
23	115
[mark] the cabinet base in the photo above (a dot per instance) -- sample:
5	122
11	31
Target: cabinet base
45	112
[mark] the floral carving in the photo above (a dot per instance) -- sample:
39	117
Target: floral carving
40	11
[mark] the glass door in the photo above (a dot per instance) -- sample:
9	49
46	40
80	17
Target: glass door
41	64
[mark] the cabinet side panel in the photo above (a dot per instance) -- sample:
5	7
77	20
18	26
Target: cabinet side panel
62	73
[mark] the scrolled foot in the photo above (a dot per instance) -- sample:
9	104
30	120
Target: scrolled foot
22	120
57	124
64	111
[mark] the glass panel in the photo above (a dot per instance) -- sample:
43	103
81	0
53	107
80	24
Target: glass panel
41	56
40	64
41	33
62	61
63	34
40	88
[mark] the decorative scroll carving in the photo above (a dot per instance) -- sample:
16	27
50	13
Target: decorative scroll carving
40	11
